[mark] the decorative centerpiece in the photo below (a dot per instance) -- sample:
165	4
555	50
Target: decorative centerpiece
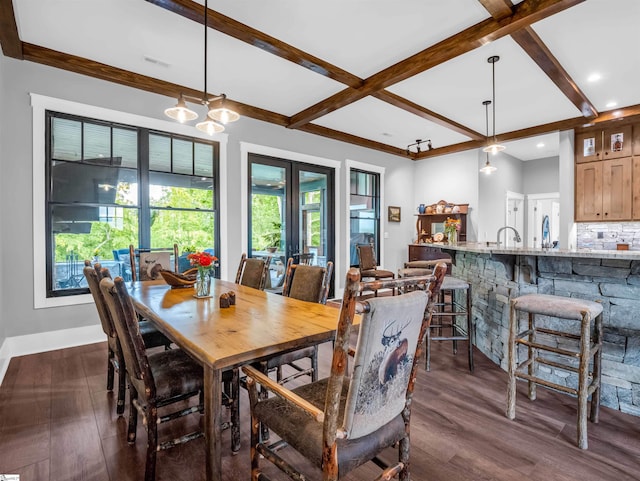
204	262
451	229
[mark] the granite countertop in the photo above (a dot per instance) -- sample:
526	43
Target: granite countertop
483	248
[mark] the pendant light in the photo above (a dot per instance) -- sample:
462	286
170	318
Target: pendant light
216	117
495	147
488	168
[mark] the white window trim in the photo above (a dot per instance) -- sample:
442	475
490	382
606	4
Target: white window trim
375	169
41	103
247	148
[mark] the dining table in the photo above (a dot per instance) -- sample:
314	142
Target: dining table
259	325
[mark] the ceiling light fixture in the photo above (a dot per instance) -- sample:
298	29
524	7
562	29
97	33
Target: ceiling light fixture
417	144
495	147
216	117
488	168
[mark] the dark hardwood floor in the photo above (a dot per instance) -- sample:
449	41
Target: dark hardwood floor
58	423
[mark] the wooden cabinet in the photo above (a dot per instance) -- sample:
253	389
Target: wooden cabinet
604	190
636	188
611	143
429	224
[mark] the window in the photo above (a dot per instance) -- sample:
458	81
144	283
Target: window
364	210
110	185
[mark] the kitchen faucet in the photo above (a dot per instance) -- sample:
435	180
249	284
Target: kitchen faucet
516	237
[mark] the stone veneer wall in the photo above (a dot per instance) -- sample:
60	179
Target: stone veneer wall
605	235
614	282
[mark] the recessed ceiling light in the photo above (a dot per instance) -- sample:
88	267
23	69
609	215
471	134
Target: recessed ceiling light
611	104
594	77
540	145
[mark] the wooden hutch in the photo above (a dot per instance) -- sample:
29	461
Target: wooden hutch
430	224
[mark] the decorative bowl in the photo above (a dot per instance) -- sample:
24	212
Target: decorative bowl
178	280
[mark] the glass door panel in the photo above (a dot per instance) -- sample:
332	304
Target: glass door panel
312	218
290	215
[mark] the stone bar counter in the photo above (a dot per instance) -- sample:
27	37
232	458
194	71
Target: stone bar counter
611	277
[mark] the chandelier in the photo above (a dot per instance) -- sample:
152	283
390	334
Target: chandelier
217	113
488	168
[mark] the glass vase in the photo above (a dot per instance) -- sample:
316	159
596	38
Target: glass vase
203	283
452	237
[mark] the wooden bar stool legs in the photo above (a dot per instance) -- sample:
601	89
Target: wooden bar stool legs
446	319
555	341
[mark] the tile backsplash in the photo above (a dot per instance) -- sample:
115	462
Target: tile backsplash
606	235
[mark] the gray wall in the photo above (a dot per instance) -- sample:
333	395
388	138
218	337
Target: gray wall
19	78
541	176
492	192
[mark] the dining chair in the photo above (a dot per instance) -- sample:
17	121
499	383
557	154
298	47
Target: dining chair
310	284
115	361
344	421
146	264
253	272
369	266
161	379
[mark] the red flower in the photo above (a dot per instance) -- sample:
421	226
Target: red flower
201	259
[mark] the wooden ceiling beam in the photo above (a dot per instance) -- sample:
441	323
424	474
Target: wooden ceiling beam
9	39
427	114
524	14
227	25
83	66
533	46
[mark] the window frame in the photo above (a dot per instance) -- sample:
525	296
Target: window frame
40	104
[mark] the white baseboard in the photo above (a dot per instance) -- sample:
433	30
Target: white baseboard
47	341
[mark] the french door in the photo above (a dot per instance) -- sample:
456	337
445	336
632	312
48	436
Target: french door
290	212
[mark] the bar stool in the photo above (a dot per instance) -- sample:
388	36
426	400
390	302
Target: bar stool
445	314
588	347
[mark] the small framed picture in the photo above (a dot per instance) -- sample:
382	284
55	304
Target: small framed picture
617	141
394	214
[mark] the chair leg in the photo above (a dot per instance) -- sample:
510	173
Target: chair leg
404	448
122	390
110	369
314	365
533	354
427	364
133	416
235	412
470	327
152	444
511	388
583	380
256	427
597	370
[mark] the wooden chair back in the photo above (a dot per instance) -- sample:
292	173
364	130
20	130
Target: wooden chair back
147	263
307	283
132	344
253	272
93	275
367	257
390	341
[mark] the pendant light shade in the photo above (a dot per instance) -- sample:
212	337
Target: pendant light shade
223	114
181	112
488	168
216	117
210	127
494	147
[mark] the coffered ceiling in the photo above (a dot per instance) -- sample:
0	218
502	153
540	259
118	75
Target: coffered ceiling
374	73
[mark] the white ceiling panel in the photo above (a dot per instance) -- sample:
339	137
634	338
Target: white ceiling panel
525	96
598	36
381	122
532	148
360	36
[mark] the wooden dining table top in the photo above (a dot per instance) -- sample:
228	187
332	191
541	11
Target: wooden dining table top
259	325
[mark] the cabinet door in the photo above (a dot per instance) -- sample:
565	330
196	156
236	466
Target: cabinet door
636	188
588	146
636	140
617	142
588	191
616	189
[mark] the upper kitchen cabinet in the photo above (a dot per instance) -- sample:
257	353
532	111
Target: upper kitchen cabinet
598	144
